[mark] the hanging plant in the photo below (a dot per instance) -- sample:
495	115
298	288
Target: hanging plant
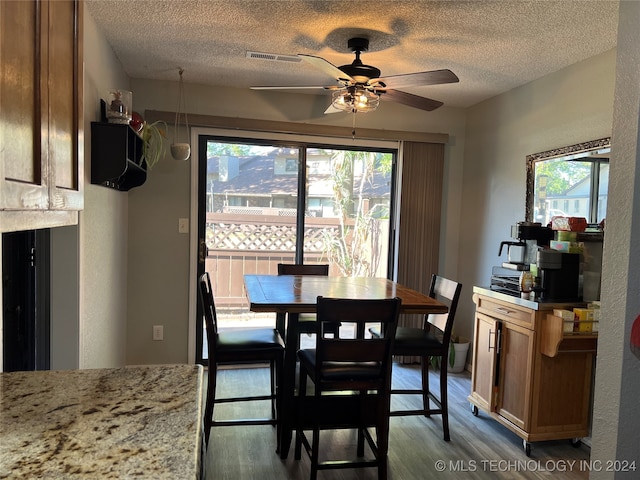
180	151
153	148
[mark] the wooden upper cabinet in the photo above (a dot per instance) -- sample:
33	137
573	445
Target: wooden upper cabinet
41	124
66	138
23	163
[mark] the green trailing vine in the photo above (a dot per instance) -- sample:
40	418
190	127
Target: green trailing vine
153	148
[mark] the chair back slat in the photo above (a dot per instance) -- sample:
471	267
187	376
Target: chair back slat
383	312
208	306
350	350
299	269
448	292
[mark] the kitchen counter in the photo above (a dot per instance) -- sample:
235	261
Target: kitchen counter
532	304
132	422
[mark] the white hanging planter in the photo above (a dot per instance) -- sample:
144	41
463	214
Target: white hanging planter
180	151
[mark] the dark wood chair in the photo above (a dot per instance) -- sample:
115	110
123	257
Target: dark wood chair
248	345
432	340
360	370
307	321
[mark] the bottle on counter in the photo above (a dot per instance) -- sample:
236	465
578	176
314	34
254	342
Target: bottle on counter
526	284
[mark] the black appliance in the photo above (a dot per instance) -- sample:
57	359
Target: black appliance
559	274
532	231
529	236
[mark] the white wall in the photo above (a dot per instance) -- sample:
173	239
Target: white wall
103	234
616	423
570	106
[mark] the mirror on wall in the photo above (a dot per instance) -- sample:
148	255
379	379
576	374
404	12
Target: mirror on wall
570	181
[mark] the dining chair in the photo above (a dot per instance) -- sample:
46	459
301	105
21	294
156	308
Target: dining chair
432	340
352	381
307	321
246	345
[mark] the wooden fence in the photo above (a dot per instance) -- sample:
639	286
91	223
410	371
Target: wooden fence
254	244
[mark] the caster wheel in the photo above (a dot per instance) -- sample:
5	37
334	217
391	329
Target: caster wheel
527	448
576	442
474	410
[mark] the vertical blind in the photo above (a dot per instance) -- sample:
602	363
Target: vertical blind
420	218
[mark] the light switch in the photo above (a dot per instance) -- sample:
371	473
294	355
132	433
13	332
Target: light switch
183	225
158	332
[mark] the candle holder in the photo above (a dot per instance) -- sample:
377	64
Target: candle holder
119	103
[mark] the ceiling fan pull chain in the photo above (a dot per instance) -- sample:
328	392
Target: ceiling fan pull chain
353	126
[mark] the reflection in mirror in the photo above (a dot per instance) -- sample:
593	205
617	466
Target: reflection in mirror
570	181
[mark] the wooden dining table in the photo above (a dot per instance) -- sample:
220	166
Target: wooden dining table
292	295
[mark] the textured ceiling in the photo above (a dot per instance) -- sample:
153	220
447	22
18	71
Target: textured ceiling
493	46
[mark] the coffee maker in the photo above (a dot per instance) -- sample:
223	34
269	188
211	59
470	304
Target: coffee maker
559	274
529	237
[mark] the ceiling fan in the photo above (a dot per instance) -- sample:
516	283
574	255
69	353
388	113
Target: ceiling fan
360	86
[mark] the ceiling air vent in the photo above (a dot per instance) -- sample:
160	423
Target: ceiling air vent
274	57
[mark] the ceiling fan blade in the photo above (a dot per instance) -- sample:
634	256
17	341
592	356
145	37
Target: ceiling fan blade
332	109
327	67
434	77
411	100
291	87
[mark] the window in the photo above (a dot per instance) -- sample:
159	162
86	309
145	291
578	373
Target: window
264	203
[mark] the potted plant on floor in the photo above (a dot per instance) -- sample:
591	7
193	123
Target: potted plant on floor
458	348
458	354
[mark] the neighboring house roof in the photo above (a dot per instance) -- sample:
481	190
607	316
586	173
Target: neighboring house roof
256	177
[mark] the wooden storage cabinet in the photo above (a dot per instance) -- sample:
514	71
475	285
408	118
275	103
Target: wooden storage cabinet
529	375
41	121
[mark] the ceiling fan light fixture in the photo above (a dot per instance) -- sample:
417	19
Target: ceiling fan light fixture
355	99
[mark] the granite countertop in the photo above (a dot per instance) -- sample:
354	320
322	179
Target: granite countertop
131	422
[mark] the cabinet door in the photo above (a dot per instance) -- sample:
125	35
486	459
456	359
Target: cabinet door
41	159
515	374
483	384
23	113
66	147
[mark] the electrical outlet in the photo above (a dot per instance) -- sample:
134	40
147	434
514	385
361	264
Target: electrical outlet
183	225
158	332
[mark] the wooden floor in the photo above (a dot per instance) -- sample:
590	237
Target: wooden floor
480	448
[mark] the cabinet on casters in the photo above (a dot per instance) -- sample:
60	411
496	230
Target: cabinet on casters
528	374
116	150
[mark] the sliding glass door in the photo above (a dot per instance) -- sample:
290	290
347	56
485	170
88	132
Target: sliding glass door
347	211
263	203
